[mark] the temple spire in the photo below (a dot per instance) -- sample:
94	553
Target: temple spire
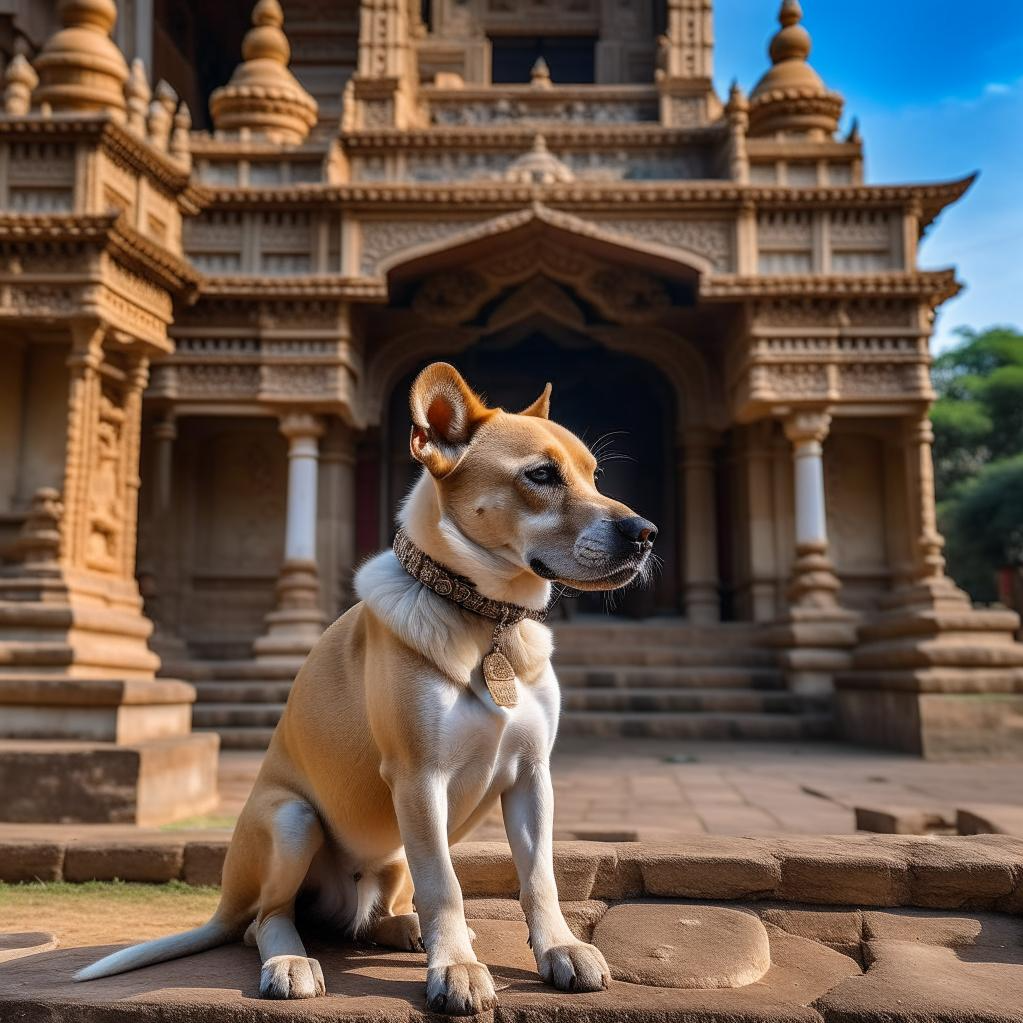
791	98
80	67
263	96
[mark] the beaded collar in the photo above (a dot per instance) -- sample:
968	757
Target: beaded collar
497	671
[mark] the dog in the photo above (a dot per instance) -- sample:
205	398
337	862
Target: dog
420	707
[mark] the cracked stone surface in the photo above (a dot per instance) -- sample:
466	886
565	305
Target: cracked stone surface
673	959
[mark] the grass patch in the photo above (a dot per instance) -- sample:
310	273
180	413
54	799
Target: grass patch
131	891
209	822
105	912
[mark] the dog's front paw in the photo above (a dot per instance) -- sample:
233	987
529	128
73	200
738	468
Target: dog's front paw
291	977
460	990
578	967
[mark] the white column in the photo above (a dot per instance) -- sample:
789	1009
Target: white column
303	469
814	582
700	563
297	621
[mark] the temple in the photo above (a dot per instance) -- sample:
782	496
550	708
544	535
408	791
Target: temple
229	238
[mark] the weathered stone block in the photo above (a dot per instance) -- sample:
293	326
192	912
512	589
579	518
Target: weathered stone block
669	945
31	861
152	862
485	869
841	871
204	862
708	868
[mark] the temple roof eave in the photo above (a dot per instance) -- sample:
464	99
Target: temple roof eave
105	130
110	232
311	287
931	198
933	286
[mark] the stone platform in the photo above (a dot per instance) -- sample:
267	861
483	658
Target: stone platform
839	930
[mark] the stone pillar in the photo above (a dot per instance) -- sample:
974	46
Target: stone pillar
700	549
297	621
814	583
815	634
87	734
760	513
337	518
164	641
932	674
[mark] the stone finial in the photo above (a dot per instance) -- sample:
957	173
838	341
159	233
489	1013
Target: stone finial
540	75
791	98
538	167
19	81
161	115
181	142
80	67
38	542
138	94
737	102
263	96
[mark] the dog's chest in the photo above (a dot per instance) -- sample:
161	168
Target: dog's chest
482	747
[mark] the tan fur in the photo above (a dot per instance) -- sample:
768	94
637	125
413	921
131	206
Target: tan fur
389	748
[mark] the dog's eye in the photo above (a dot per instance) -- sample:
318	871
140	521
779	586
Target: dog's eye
597	474
545	476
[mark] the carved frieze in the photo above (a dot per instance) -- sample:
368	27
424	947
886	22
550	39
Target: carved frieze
711	239
384	238
449	297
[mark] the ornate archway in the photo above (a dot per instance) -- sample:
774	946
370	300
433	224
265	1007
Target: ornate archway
605	321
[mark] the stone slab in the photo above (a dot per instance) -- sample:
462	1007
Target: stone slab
683	946
989	819
145	783
921	983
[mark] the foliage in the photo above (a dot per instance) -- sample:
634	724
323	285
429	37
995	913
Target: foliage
983	526
978	417
978	455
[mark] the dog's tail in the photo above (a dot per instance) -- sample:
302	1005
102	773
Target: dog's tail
218	931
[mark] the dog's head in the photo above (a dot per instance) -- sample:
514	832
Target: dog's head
524	488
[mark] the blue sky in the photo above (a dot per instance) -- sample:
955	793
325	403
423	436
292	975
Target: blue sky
938	89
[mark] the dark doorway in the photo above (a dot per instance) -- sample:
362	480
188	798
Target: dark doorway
602	396
570	59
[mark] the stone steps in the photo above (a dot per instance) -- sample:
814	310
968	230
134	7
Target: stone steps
232	715
626	676
673	701
697	726
659	678
663	655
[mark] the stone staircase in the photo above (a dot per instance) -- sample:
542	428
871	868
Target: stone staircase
672	680
664	679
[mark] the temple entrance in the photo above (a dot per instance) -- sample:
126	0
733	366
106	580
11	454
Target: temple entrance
618	404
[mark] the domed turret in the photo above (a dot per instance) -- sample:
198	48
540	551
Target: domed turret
263	96
80	67
791	98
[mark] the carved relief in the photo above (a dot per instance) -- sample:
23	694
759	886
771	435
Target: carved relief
711	239
629	296
106	484
228	381
383	238
449	297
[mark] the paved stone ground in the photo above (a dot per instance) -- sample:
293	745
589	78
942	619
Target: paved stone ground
623	789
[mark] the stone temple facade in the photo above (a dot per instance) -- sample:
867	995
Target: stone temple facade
215	289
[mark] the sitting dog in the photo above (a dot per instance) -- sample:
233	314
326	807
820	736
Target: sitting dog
420	707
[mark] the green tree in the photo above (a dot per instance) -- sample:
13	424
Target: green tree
978	417
978	455
983	527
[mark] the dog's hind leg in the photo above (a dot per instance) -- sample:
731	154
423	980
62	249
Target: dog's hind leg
288	972
397	925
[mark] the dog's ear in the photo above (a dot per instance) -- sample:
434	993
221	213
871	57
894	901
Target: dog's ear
541	408
445	414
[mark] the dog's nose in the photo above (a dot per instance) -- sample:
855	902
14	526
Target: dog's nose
637	529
